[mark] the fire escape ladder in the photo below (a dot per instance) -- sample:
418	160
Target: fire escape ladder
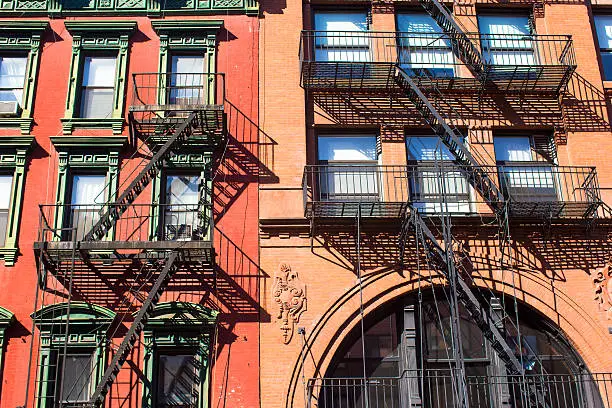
133	334
414	224
113	211
475	173
462	46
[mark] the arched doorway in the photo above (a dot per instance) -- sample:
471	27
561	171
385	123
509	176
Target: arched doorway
405	359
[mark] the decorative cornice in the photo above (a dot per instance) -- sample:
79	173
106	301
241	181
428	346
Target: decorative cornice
115	27
6	318
17	142
172	27
168	315
28	26
80	142
81	314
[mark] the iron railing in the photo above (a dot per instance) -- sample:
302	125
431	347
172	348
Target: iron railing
139	223
532	189
435	389
181	91
537	61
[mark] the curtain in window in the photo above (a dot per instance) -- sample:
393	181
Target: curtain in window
12	77
506	40
524	183
351	172
341	37
88	196
181	210
98	87
423	45
186	80
6	183
435	189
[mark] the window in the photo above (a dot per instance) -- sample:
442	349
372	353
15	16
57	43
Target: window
98	87
506	40
341	37
424	48
435	185
6	185
186	80
74	384
349	168
177	380
603	26
87	197
181	205
522	178
12	78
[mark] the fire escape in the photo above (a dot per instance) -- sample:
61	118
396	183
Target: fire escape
169	114
384	77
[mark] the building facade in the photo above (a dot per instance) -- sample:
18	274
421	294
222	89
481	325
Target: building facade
239	203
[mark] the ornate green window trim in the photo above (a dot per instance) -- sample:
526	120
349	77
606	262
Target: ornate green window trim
13	154
189	162
97	36
6	318
178	325
23	36
75	152
87	331
58	8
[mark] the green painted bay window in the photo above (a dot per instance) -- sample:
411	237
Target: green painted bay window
98	75
20	44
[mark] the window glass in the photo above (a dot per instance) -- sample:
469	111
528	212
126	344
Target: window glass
12	77
177	381
603	26
98	87
424	148
506	41
339	37
75	382
6	183
512	148
182	189
186	79
88	194
181	219
338	148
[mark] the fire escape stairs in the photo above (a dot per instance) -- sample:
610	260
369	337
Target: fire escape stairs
108	219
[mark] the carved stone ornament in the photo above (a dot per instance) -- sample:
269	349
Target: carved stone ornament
290	295
603	288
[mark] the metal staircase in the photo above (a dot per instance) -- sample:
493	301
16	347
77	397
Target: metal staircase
462	46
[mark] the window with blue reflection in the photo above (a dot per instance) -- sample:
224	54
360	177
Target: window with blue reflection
603	26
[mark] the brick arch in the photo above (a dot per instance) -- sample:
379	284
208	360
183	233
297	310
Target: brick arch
581	324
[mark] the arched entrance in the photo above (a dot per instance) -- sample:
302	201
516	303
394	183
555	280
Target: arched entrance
405	359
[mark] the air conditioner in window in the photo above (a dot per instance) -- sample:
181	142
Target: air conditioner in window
9	109
178	232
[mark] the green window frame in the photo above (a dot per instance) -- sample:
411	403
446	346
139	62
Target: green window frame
192	36
13	157
85	154
87	333
103	38
176	326
23	37
6	319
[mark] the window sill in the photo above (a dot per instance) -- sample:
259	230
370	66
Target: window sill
25	124
9	255
69	124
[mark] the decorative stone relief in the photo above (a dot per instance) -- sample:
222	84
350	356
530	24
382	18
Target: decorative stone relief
290	295
603	288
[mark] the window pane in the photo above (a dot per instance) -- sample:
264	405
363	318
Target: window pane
14	95
3	225
97	103
181	212
182	189
338	148
99	71
6	182
606	59
75	382
186	64
12	72
504	25
341	22
178	381
337	25
603	26
423	148
88	189
514	148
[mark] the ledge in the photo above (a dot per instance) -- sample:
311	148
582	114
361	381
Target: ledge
115	27
69	124
17	142
109	142
25	124
9	255
31	27
173	26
